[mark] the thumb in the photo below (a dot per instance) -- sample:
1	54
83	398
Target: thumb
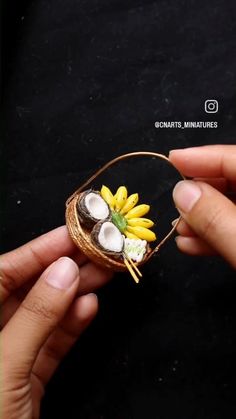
37	316
210	214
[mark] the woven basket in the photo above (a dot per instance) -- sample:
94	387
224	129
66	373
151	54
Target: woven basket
81	236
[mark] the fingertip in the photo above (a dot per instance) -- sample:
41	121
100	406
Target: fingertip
186	194
182	151
183	229
86	307
69	261
178	153
194	246
62	273
178	240
174	151
186	245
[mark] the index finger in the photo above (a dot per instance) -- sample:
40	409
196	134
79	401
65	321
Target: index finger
217	161
29	260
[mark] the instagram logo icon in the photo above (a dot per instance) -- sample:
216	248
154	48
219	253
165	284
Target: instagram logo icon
211	106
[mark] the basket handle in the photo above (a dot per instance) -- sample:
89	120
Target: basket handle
117	159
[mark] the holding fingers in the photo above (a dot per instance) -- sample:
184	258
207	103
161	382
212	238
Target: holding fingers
209	217
45	310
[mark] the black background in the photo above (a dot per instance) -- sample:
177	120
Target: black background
84	81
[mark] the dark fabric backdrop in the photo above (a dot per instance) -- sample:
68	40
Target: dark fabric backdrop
84	81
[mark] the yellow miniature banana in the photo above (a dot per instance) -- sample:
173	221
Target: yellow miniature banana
142	222
142	232
120	197
131	235
130	203
138	211
108	196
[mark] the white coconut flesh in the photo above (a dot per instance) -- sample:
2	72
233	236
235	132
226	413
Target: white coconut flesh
110	238
96	206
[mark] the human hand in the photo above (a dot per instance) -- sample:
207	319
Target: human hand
41	318
207	203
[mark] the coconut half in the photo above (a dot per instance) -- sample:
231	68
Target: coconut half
108	238
92	208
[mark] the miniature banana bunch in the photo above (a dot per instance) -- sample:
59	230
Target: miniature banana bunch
128	216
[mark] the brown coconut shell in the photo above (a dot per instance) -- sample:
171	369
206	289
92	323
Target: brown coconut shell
84	217
94	239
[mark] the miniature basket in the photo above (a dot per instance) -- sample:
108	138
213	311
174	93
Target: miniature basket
81	235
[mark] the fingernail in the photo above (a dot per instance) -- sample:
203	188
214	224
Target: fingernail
179	150
62	274
174	221
92	294
185	194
